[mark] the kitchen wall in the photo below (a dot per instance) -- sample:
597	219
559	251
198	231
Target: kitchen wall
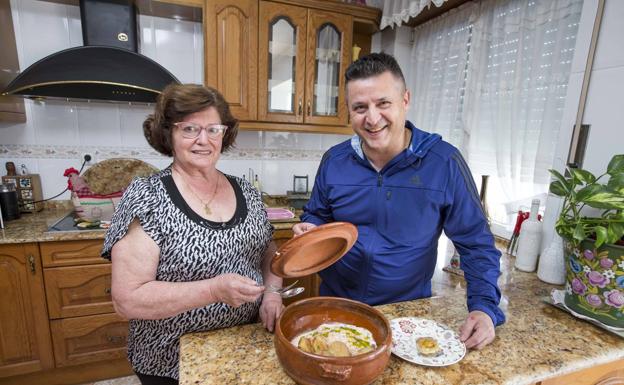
604	110
58	133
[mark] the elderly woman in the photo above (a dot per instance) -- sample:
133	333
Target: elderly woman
190	246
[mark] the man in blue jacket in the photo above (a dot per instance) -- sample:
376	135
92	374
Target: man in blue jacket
401	187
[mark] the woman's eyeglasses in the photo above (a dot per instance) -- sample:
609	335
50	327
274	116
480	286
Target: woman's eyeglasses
191	130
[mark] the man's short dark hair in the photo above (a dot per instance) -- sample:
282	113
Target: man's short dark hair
374	64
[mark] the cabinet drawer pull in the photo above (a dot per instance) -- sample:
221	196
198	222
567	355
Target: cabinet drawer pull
114	339
31	263
107	290
300	107
309	108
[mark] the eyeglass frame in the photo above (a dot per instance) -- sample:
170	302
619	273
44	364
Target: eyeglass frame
213	130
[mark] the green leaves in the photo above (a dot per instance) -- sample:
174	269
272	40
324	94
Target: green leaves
616	165
582	188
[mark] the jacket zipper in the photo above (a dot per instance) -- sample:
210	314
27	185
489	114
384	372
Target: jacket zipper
371	246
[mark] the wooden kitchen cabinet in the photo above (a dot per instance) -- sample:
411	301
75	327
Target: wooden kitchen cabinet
25	344
11	107
77	337
280	64
303	54
231	43
310	282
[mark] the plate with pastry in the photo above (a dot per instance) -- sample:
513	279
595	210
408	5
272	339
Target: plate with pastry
425	342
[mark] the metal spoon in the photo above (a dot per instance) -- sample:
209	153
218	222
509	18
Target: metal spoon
292	292
274	289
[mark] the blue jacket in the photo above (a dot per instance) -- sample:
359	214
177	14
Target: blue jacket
400	213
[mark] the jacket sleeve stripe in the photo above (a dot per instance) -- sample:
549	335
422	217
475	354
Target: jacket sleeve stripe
470	184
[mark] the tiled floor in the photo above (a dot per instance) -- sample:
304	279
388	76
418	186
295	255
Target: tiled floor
130	380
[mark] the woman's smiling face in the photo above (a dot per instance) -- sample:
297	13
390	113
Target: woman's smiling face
203	151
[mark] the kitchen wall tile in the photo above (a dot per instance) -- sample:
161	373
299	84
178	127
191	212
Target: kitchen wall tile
98	123
239	167
131	118
172	43
52	179
18	133
55	122
34	17
327	141
159	163
249	139
609	52
279	140
308	141
277	176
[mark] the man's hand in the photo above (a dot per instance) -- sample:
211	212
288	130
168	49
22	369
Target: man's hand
302	227
477	331
270	310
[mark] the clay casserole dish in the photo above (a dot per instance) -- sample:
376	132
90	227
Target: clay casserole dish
307	254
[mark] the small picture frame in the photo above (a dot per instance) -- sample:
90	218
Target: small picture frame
10	180
26	194
300	184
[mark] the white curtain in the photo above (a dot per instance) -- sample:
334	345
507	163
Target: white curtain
506	118
327	70
397	12
438	74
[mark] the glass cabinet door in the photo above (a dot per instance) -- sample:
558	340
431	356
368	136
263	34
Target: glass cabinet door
327	71
328	54
282	66
282	63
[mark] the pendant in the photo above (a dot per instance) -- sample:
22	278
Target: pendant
207	210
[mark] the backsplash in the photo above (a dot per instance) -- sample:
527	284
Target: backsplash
57	133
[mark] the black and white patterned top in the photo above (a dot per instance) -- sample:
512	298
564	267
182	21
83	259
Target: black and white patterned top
191	248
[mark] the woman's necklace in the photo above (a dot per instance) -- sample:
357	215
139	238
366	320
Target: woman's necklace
206	204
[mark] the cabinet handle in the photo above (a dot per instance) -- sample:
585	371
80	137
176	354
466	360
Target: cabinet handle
114	339
31	263
300	107
107	290
309	108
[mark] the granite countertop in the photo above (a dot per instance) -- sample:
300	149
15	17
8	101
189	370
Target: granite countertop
538	341
33	227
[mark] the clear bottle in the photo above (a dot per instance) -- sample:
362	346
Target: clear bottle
256	183
529	240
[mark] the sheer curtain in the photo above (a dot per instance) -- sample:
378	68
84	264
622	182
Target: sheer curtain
396	12
522	53
438	74
504	112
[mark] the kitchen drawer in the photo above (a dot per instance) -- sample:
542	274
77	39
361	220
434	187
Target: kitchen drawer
78	290
81	340
68	253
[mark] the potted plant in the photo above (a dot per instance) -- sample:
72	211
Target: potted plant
593	245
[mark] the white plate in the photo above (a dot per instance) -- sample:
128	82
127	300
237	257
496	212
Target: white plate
406	330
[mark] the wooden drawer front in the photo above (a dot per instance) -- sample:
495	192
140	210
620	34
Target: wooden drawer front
78	290
68	253
81	340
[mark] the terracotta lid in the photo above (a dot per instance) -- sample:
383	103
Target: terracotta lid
314	250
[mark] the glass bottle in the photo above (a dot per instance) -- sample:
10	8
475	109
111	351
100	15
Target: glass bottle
529	240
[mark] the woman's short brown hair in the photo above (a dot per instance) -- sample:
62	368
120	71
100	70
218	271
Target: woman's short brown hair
178	101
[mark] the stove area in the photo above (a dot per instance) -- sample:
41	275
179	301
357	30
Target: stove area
69	224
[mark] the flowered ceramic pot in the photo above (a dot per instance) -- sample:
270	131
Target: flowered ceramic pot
595	281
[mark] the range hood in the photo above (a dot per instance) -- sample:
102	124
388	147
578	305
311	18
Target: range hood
107	67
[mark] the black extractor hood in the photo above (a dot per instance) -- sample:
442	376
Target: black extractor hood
107	67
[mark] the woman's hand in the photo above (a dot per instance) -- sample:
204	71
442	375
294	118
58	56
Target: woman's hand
234	289
270	310
302	227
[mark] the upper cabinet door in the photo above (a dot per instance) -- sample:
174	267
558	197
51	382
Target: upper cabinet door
282	48
328	55
232	53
